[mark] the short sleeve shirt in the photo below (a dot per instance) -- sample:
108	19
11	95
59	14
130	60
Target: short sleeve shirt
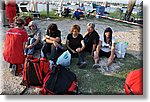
75	43
91	39
13	47
106	47
55	34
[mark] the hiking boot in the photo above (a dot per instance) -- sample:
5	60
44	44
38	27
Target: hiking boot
96	66
83	65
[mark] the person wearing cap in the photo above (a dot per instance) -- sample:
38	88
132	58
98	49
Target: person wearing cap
14	45
34	39
91	38
106	48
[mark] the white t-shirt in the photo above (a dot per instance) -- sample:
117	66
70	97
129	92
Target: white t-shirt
106	47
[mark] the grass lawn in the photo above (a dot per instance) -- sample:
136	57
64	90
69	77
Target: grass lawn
92	82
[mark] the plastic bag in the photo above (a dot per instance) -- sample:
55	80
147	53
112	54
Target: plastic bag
64	59
120	49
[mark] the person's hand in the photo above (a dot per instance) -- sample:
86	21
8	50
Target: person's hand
26	46
78	50
55	43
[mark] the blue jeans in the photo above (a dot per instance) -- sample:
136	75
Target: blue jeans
50	48
32	50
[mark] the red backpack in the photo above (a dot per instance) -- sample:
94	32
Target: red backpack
34	71
60	81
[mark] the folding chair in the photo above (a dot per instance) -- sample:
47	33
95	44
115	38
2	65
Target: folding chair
23	7
100	10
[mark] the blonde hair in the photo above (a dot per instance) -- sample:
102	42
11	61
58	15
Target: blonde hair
91	24
77	27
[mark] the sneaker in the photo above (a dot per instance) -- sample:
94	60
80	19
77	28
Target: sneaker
96	66
13	69
10	70
83	65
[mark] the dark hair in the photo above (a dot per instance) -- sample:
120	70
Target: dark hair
52	27
77	27
110	31
19	21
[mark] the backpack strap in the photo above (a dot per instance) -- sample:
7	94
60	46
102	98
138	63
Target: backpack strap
55	80
131	92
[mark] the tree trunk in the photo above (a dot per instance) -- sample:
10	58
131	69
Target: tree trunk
130	8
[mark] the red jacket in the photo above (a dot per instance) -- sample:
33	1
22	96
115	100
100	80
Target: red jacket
13	47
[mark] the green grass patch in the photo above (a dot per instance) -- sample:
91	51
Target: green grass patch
92	82
52	15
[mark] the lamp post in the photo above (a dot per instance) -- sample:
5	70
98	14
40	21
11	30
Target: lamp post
48	9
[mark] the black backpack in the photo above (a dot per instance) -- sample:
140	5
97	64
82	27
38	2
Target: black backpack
60	81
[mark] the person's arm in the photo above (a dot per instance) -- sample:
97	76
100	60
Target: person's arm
112	50
24	45
93	49
96	53
98	47
68	47
51	39
95	43
82	48
85	34
83	45
38	38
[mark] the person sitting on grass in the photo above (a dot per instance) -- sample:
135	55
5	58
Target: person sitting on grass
66	12
34	39
91	38
106	47
75	45
81	6
77	13
52	43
